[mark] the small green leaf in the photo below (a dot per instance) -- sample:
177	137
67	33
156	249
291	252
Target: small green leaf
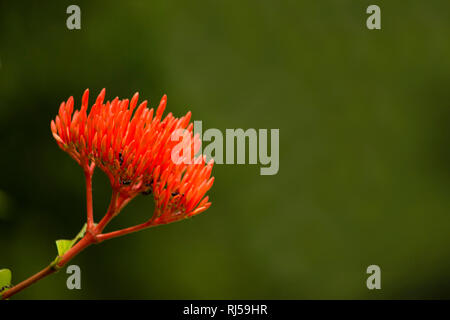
80	234
5	279
63	246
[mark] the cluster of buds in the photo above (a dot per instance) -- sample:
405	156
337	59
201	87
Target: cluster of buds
133	145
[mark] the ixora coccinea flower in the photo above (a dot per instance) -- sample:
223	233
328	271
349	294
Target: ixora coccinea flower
133	146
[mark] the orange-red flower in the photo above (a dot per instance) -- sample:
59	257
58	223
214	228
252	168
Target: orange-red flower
139	152
133	146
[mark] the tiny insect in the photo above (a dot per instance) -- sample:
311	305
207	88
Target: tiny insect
4	288
175	194
120	158
149	184
126	182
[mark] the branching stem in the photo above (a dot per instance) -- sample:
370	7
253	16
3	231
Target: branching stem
93	235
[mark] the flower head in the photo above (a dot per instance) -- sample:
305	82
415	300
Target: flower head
132	145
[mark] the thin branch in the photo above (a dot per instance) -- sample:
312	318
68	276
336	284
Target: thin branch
122	232
28	282
52	268
110	213
90	210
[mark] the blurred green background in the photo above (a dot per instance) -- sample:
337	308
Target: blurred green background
364	146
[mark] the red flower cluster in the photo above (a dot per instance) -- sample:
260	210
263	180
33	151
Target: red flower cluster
139	152
133	146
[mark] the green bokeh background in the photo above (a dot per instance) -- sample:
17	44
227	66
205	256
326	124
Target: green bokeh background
364	146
